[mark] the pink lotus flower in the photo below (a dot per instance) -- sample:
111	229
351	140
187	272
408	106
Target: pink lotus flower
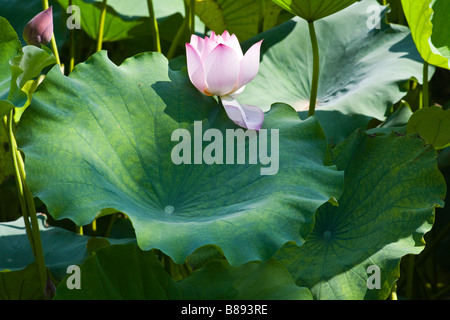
217	66
40	29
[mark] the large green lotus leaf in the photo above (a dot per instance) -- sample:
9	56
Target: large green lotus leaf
244	18
117	27
138	8
433	125
143	277
441	25
117	124
127	19
62	248
392	186
429	23
312	10
363	71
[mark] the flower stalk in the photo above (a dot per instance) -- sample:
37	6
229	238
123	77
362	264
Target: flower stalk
192	16
101	26
316	69
45	6
425	92
71	46
154	27
27	203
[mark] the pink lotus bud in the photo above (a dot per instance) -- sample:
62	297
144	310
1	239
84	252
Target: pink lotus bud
217	66
40	29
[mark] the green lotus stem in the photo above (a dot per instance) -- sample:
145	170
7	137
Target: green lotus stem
101	26
154	27
410	276
393	294
27	203
53	40
262	10
79	230
114	217
192	16
8	130
316	69
178	36
425	95
440	293
72	46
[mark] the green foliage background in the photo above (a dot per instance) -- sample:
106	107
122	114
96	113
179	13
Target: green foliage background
365	181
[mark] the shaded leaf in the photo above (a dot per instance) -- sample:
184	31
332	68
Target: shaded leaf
127	273
312	10
62	248
392	186
433	125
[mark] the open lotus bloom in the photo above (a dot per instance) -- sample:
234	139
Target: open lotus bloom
217	66
40	29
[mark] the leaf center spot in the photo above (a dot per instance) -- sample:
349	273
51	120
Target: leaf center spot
169	209
327	235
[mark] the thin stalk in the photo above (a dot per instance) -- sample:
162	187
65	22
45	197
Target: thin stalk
27	196
114	217
443	292
101	26
79	230
425	95
410	276
23	206
262	10
71	46
53	40
393	295
154	27
40	260
316	69
385	3
177	39
94	226
192	16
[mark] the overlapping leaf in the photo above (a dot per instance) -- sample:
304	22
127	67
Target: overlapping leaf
312	10
363	70
245	18
433	125
143	277
430	27
392	186
62	248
